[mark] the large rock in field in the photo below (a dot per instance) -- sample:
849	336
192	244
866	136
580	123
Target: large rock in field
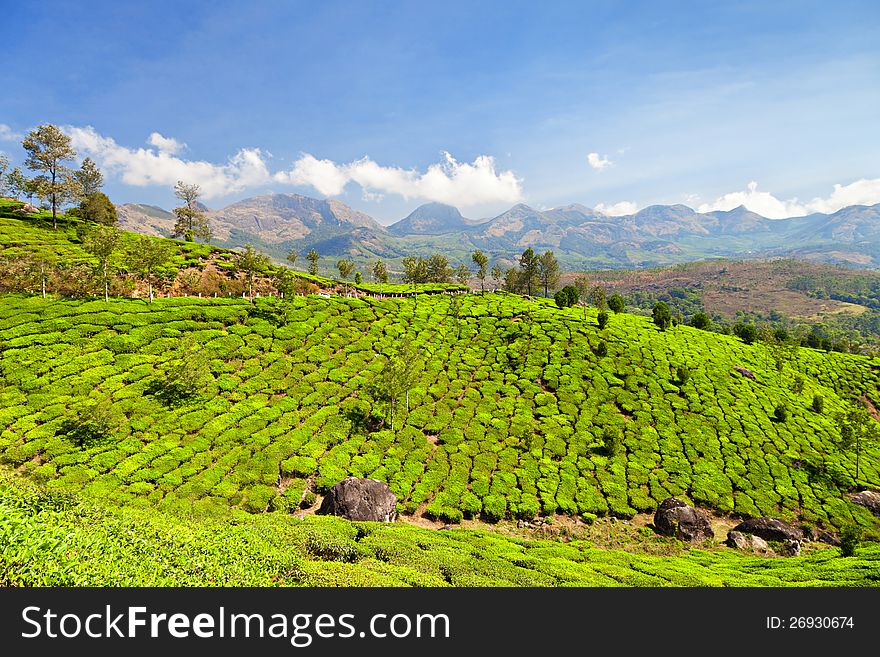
676	518
869	499
360	499
770	529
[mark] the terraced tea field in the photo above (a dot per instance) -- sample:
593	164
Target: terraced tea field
52	540
512	412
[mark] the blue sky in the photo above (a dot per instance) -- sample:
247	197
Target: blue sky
387	105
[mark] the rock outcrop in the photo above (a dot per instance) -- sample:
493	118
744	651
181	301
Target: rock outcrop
770	529
360	499
676	518
742	541
869	499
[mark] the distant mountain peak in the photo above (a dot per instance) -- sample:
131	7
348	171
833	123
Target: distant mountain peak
431	219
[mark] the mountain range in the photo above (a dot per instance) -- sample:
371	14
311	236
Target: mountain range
580	236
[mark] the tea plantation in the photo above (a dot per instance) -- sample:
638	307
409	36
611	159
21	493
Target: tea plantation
55	540
512	412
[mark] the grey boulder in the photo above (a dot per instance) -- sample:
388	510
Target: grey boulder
360	499
676	518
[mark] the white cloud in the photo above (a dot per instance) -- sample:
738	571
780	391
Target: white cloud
165	144
860	192
598	163
144	166
7	133
457	183
617	209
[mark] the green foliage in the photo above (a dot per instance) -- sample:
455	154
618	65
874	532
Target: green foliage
47	149
616	303
682	374
746	332
780	413
191	222
818	404
602	320
661	315
313	258
566	297
701	321
851	535
98	208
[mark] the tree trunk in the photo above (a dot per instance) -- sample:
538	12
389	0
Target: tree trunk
54	219
106	284
43	280
150	286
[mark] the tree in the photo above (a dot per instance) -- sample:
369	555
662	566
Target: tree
513	280
286	282
191	221
48	148
701	321
101	241
780	413
566	297
438	269
661	315
415	271
682	374
396	377
818	403
602	319
597	297
251	262
89	178
746	332
850	537
313	257
528	265
548	271
345	267
17	183
147	255
497	275
358	279
582	285
616	303
292	258
481	260
462	274
858	431
380	274
98	208
4	164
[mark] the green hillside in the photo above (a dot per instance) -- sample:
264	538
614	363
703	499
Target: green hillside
205	422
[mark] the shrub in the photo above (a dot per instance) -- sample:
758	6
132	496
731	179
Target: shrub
602	319
797	386
748	333
602	349
701	321
612	441
616	303
661	315
682	374
780	412
850	537
566	297
818	403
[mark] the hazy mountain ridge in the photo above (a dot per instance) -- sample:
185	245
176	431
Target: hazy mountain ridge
581	236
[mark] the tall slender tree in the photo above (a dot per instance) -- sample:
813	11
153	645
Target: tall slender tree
251	262
89	178
102	241
48	148
292	257
191	221
380	274
548	271
313	257
345	267
528	265
497	275
462	275
481	260
147	255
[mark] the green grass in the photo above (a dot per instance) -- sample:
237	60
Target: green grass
53	540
